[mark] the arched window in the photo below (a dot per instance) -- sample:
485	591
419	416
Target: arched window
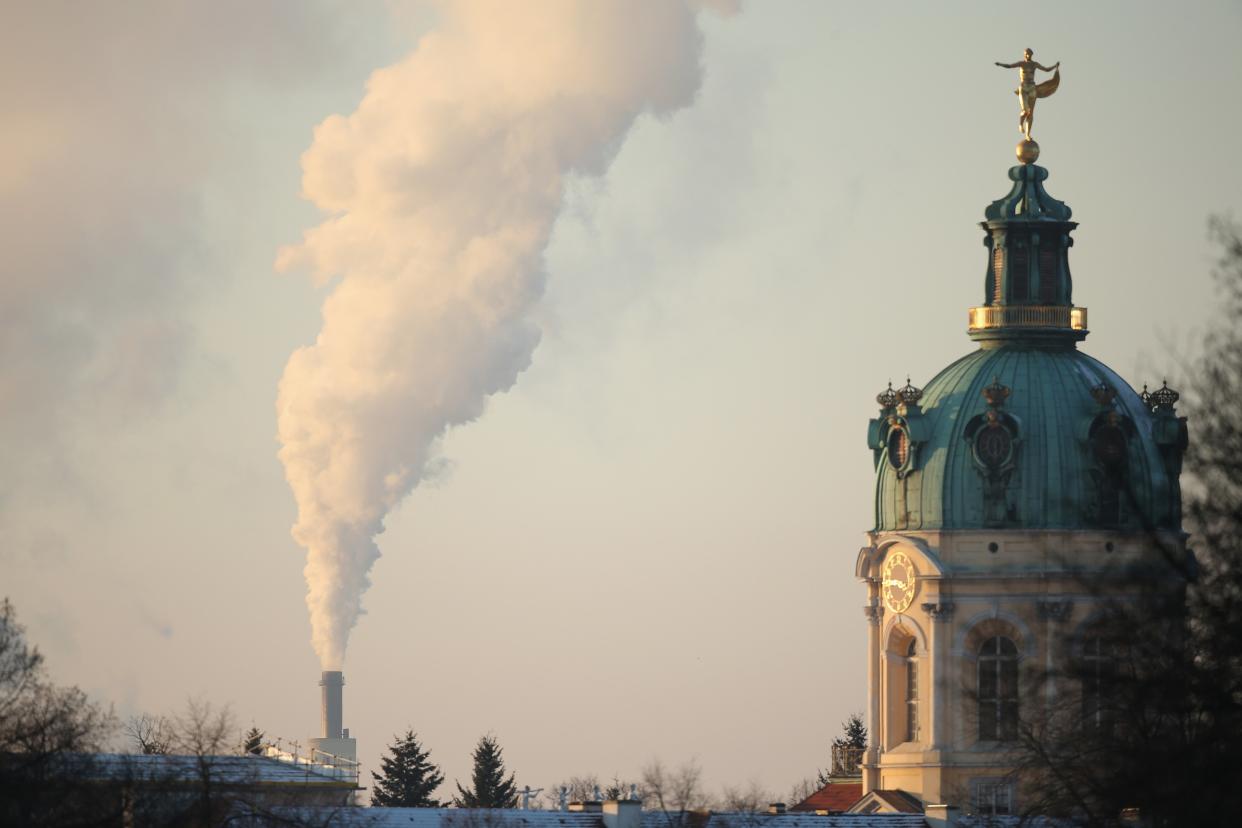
998	689
912	694
901	687
1097	667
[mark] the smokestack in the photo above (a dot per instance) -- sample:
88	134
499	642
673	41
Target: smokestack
335	747
332	681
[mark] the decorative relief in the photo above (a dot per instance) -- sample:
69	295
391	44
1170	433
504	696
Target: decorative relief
1108	439
994	440
939	610
899	430
1170	432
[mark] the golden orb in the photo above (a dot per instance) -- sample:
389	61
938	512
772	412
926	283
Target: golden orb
1027	151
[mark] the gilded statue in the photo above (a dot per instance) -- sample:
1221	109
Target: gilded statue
1028	90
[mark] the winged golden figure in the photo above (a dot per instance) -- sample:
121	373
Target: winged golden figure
1028	90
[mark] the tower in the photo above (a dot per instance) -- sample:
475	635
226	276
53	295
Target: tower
1022	474
335	744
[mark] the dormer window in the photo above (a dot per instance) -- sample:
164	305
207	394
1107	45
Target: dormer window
898	448
1109	446
994	446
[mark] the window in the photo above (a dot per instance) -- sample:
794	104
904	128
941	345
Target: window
998	690
912	695
998	268
1019	275
1048	275
898	448
993	797
1097	666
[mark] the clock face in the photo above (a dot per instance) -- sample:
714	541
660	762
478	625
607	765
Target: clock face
899	583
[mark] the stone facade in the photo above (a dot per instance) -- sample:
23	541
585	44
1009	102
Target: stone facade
1037	589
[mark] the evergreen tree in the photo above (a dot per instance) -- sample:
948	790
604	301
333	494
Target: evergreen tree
853	735
409	777
854	732
490	787
253	741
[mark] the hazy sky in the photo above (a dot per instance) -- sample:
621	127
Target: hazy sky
645	548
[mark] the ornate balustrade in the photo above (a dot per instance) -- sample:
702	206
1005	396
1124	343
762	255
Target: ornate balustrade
1028	316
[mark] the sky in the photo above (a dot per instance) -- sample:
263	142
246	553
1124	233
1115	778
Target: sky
638	541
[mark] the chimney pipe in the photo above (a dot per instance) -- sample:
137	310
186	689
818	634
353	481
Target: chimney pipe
332	681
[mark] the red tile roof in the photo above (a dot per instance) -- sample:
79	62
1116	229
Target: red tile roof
833	797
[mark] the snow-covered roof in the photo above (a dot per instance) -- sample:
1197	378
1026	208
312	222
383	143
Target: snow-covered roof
658	819
972	821
224	769
465	818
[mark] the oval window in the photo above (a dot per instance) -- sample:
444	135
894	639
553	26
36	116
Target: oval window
993	446
898	448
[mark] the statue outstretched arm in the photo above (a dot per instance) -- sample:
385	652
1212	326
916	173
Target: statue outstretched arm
1008	65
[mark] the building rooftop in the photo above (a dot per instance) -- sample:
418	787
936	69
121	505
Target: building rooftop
833	797
223	769
466	818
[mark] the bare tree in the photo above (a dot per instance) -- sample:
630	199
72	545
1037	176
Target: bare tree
149	734
674	791
1150	706
41	727
749	799
802	789
578	788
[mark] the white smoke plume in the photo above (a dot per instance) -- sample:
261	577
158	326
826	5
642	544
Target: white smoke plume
443	187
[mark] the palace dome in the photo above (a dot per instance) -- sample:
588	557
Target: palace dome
1027	432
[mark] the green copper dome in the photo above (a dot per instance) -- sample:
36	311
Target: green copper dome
1027	432
1068	467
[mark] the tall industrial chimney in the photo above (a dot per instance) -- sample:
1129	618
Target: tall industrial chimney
332	681
335	744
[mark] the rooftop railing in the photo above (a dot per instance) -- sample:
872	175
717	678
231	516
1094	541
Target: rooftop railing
317	761
847	760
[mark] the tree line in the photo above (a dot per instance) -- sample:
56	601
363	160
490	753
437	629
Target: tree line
409	779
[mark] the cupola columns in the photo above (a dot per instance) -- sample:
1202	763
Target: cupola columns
1028	292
